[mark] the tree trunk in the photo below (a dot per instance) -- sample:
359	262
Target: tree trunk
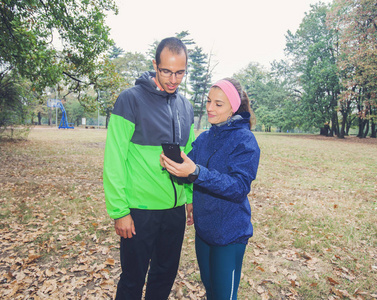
348	125
49	117
373	129
199	120
334	129
325	130
361	127
365	134
39	118
201	106
107	118
341	133
331	133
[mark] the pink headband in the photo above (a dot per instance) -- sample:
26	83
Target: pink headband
231	92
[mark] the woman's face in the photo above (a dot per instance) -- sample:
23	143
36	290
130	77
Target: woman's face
218	106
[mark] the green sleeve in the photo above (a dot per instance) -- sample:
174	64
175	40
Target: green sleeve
189	187
119	134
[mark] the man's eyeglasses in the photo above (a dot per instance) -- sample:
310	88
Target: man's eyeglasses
167	73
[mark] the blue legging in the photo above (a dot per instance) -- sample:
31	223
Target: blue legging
220	268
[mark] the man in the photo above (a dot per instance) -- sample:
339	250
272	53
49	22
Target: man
147	204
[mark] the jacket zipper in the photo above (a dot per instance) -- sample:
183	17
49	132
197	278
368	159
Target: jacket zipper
210	158
179	126
173	127
175	191
171	117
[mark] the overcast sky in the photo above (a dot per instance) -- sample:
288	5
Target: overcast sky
237	32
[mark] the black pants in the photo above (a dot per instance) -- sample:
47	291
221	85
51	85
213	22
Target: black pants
157	245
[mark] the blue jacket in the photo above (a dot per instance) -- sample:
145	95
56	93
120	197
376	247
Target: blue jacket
228	157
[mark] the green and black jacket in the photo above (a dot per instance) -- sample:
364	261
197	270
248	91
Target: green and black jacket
142	118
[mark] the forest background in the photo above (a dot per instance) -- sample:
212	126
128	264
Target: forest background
325	84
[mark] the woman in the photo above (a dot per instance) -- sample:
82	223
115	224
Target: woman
222	164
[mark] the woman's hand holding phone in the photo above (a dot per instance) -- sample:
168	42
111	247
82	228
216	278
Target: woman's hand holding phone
183	169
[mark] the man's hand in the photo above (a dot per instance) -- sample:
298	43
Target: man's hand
125	227
189	216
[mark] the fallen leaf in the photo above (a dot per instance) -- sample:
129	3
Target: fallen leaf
264	281
314	284
251	283
260	290
110	262
32	258
189	285
332	281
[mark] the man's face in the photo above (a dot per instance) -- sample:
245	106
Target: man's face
170	70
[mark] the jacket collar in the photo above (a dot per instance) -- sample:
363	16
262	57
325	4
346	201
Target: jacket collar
147	82
228	122
241	120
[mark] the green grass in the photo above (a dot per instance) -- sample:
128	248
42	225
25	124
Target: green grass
317	196
314	206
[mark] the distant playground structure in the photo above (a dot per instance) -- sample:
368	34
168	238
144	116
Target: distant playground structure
64	121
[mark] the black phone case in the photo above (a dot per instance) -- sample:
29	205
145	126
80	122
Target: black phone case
172	151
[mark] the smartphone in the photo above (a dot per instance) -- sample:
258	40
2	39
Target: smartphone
172	151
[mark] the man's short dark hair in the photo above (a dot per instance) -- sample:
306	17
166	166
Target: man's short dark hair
174	44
